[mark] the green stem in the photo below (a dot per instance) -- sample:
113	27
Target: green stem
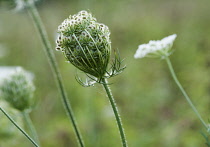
19	128
116	113
30	126
183	92
51	57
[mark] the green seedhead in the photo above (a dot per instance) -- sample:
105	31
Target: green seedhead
86	44
17	89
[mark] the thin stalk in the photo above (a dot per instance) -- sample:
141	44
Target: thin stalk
51	57
115	110
19	128
30	126
184	93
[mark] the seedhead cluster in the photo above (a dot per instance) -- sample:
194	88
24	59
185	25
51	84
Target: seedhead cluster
86	44
17	89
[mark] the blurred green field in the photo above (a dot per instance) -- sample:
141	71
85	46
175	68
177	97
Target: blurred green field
153	110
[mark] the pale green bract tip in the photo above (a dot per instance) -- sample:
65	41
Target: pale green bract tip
159	48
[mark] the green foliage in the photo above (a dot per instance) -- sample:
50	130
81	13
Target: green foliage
7	4
206	137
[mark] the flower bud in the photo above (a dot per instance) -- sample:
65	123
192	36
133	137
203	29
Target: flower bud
85	43
17	89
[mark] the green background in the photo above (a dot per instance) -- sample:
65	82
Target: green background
153	110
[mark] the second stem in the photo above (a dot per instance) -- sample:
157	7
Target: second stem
48	49
30	126
183	92
19	128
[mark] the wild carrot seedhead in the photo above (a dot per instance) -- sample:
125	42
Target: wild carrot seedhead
17	89
86	44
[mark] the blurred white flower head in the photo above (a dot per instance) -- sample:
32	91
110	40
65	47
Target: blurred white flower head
159	48
6	71
17	89
20	4
15	5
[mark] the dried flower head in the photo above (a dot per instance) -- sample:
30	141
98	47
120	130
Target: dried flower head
17	89
159	48
85	43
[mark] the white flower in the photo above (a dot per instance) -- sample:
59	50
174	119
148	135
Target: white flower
157	48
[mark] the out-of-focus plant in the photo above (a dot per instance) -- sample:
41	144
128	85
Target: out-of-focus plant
86	44
9	4
206	137
14	5
18	5
3	51
162	49
17	89
7	131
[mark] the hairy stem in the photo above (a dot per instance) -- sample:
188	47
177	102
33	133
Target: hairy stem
116	113
19	128
51	57
30	126
183	92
